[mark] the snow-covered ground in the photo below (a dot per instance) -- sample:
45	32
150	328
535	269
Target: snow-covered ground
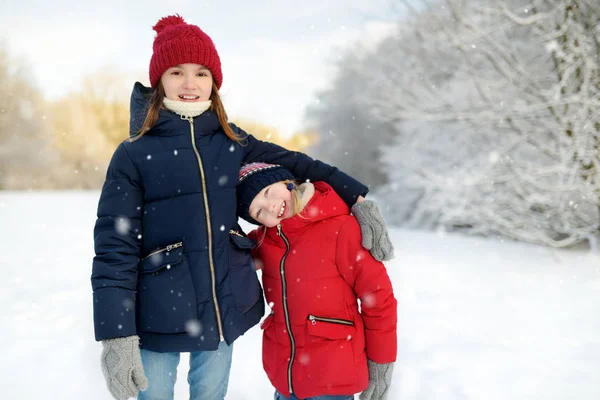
478	319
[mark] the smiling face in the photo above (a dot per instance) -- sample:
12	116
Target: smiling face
187	82
272	204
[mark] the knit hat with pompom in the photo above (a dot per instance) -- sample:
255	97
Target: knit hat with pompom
178	42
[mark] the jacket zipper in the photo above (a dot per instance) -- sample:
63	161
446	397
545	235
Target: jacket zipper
209	230
286	312
168	248
314	319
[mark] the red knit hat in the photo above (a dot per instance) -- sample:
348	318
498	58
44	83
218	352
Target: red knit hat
177	42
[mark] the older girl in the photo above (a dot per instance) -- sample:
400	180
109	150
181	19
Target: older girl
168	274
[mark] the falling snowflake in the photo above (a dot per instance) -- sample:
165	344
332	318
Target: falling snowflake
128	304
156	259
223	180
122	225
304	358
368	300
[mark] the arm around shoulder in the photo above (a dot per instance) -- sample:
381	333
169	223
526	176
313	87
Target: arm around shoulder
303	167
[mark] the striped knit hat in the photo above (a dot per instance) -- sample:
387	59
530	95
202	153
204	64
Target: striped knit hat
177	42
252	179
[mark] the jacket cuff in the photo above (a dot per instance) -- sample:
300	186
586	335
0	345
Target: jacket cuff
348	188
382	347
114	313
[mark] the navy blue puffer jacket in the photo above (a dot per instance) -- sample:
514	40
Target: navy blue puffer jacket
171	264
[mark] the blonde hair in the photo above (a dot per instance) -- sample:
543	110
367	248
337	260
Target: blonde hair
156	104
296	197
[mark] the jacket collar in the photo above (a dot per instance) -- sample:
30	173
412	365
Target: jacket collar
168	121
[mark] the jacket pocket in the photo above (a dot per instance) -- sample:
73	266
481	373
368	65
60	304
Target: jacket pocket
166	293
329	354
266	322
270	347
245	287
330	328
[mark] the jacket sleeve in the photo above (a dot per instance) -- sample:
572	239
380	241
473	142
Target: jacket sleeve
372	285
117	243
302	166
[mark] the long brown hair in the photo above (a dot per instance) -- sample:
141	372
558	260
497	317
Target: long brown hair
156	104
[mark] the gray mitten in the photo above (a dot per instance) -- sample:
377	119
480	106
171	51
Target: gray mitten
374	232
122	367
380	379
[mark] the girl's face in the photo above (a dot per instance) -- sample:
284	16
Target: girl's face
272	204
187	82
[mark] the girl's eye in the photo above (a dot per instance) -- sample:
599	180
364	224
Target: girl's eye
258	214
267	192
175	73
202	74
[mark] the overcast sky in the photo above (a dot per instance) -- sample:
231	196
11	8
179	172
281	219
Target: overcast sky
275	53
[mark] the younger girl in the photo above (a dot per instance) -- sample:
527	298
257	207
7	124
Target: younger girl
169	273
316	342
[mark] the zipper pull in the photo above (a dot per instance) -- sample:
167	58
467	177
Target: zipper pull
174	246
278	229
312	319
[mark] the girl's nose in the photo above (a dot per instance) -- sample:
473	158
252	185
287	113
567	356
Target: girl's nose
188	82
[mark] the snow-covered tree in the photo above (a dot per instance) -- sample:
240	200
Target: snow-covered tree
497	108
349	135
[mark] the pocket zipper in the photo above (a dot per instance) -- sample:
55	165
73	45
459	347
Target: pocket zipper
236	233
168	248
314	320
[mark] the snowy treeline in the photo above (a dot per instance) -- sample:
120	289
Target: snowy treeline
478	115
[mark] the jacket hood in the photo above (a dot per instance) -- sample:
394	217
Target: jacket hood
324	204
140	96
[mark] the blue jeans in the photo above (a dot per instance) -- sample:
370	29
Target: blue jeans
208	375
279	396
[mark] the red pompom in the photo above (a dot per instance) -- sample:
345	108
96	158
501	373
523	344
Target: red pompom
168	21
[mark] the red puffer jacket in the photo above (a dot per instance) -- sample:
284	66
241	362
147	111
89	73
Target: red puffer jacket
315	341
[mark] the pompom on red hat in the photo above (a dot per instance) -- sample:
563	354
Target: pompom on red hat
178	42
